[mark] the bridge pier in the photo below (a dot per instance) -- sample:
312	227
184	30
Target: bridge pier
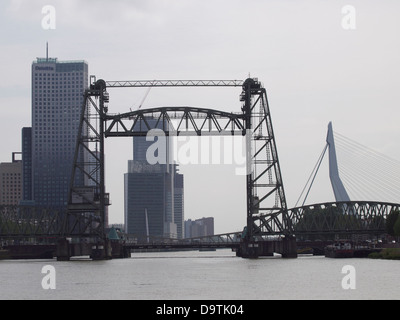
119	251
287	247
101	251
63	250
97	251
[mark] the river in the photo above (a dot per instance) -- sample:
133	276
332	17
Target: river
194	275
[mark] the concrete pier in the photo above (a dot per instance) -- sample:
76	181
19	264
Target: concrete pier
101	251
63	251
287	247
96	251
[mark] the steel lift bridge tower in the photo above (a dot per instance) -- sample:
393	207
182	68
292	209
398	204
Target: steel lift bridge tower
268	227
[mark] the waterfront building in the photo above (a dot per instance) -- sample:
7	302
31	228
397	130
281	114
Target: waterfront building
199	228
154	193
57	99
11	181
154	200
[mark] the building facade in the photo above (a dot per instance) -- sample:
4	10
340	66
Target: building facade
154	200
57	100
154	193
11	182
199	228
27	190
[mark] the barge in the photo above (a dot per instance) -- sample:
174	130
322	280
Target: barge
340	250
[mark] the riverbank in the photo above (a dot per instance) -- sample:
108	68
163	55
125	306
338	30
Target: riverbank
387	253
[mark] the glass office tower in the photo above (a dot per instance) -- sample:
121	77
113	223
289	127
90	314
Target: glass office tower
154	194
57	99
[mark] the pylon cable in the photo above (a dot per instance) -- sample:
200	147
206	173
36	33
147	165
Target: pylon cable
312	175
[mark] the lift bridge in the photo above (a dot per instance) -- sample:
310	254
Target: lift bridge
271	226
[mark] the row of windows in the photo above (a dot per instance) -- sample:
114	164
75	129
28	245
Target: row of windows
48	89
45	117
36	88
12	194
60	114
68	74
58	93
11	191
57	86
40	97
11	181
60	104
10	174
56	80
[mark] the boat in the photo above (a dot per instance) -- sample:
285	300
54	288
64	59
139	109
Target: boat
340	249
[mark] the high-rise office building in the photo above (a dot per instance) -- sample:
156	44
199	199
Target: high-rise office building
57	99
11	182
199	228
154	201
154	193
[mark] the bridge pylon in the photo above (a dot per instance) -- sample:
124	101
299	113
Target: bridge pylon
84	226
268	227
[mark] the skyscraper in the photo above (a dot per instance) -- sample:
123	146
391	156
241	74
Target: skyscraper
199	228
154	194
154	201
57	99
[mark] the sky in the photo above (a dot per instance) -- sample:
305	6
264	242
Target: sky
319	61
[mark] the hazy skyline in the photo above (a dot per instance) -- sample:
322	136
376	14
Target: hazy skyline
314	70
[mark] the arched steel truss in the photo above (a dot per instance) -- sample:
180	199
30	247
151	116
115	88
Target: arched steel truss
175	121
340	218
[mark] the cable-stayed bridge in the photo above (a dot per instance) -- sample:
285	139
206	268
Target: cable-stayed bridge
356	172
271	225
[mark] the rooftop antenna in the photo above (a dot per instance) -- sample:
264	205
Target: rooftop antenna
47	52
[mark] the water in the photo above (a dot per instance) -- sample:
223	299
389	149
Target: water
196	275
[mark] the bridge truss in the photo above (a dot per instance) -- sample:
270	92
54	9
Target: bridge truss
324	219
266	201
341	218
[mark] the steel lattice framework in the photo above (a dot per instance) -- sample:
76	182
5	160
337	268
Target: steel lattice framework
27	222
331	218
266	202
355	217
174	83
187	121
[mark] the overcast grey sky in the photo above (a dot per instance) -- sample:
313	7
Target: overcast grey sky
315	70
